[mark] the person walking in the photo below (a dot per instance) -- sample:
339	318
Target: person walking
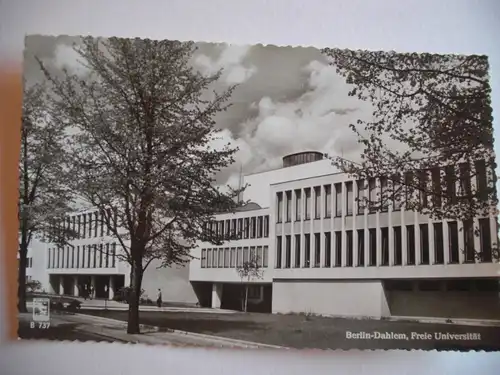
158	298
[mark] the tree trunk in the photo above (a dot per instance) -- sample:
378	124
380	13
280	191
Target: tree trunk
246	297
133	300
21	282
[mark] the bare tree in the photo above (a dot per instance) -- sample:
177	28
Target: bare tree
430	137
140	153
44	197
250	270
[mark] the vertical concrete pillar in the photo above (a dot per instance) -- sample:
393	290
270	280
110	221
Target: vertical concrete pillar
111	287
92	285
61	284
216	295
76	291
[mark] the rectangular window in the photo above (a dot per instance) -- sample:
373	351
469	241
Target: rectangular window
101	223
372	234
298	205
73	249
409	187
49	265
259	256
94	260
108	221
361	196
465	180
247	228
260	229
100	255
453	242
246	255
349	249
307	207
234	230
209	258
288	208
317	202
288	251
384	194
485	238
338	249
424	244
63	253
253	227
338	200
384	239
239	257
307	250
372	191
96	225
221	258
317	250
297	251
398	246
203	258
410	236
68	256
226	258
438	243
90	225
79	226
240	229
361	247
89	256
349	198
397	190
265	256
451	188
215	258
481	180
470	251
422	187
328	201
107	256
279	207
77	257
113	256
221	230
228	229
328	249
278	251
436	187
266	226
233	257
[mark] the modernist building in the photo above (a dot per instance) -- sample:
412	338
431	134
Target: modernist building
322	251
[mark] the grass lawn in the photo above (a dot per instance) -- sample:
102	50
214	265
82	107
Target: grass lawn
300	331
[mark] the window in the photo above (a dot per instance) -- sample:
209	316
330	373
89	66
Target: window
102	225
266	226
288	208
209	258
247	228
307	250
73	249
350	198
328	201
397	189
221	258
203	258
79	226
338	200
73	223
113	256
451	190
252	254
90	225
436	187
279	208
288	251
297	251
63	253
372	234
233	258
253	227
226	257
260	229
338	249
410	236
259	256
221	230
49	264
109	222
240	228
485	239
265	255
94	259
317	250
361	196
372	193
107	256
100	255
246	255
469	241
278	251
424	244
398	246
349	262
384	237
234	230
438	243
409	187
96	225
307	207
317	202
228	229
361	247
481	180
298	205
465	180
328	249
453	241
422	187
239	257
384	194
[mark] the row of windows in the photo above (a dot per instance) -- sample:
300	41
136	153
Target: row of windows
462	285
333	246
90	225
86	256
29	263
234	257
378	191
233	229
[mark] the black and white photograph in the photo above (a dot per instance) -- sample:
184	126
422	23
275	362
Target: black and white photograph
256	196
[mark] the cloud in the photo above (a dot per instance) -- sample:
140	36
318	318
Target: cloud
231	60
65	57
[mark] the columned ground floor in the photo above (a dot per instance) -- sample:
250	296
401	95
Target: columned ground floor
103	286
443	298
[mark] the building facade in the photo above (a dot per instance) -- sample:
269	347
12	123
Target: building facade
328	253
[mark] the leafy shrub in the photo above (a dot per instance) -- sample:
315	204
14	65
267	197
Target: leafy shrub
146	301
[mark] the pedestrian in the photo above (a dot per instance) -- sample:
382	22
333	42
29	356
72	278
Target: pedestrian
158	298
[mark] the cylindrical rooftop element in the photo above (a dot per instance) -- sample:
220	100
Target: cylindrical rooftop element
301	158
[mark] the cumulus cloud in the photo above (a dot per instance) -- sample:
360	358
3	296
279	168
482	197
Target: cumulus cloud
231	60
